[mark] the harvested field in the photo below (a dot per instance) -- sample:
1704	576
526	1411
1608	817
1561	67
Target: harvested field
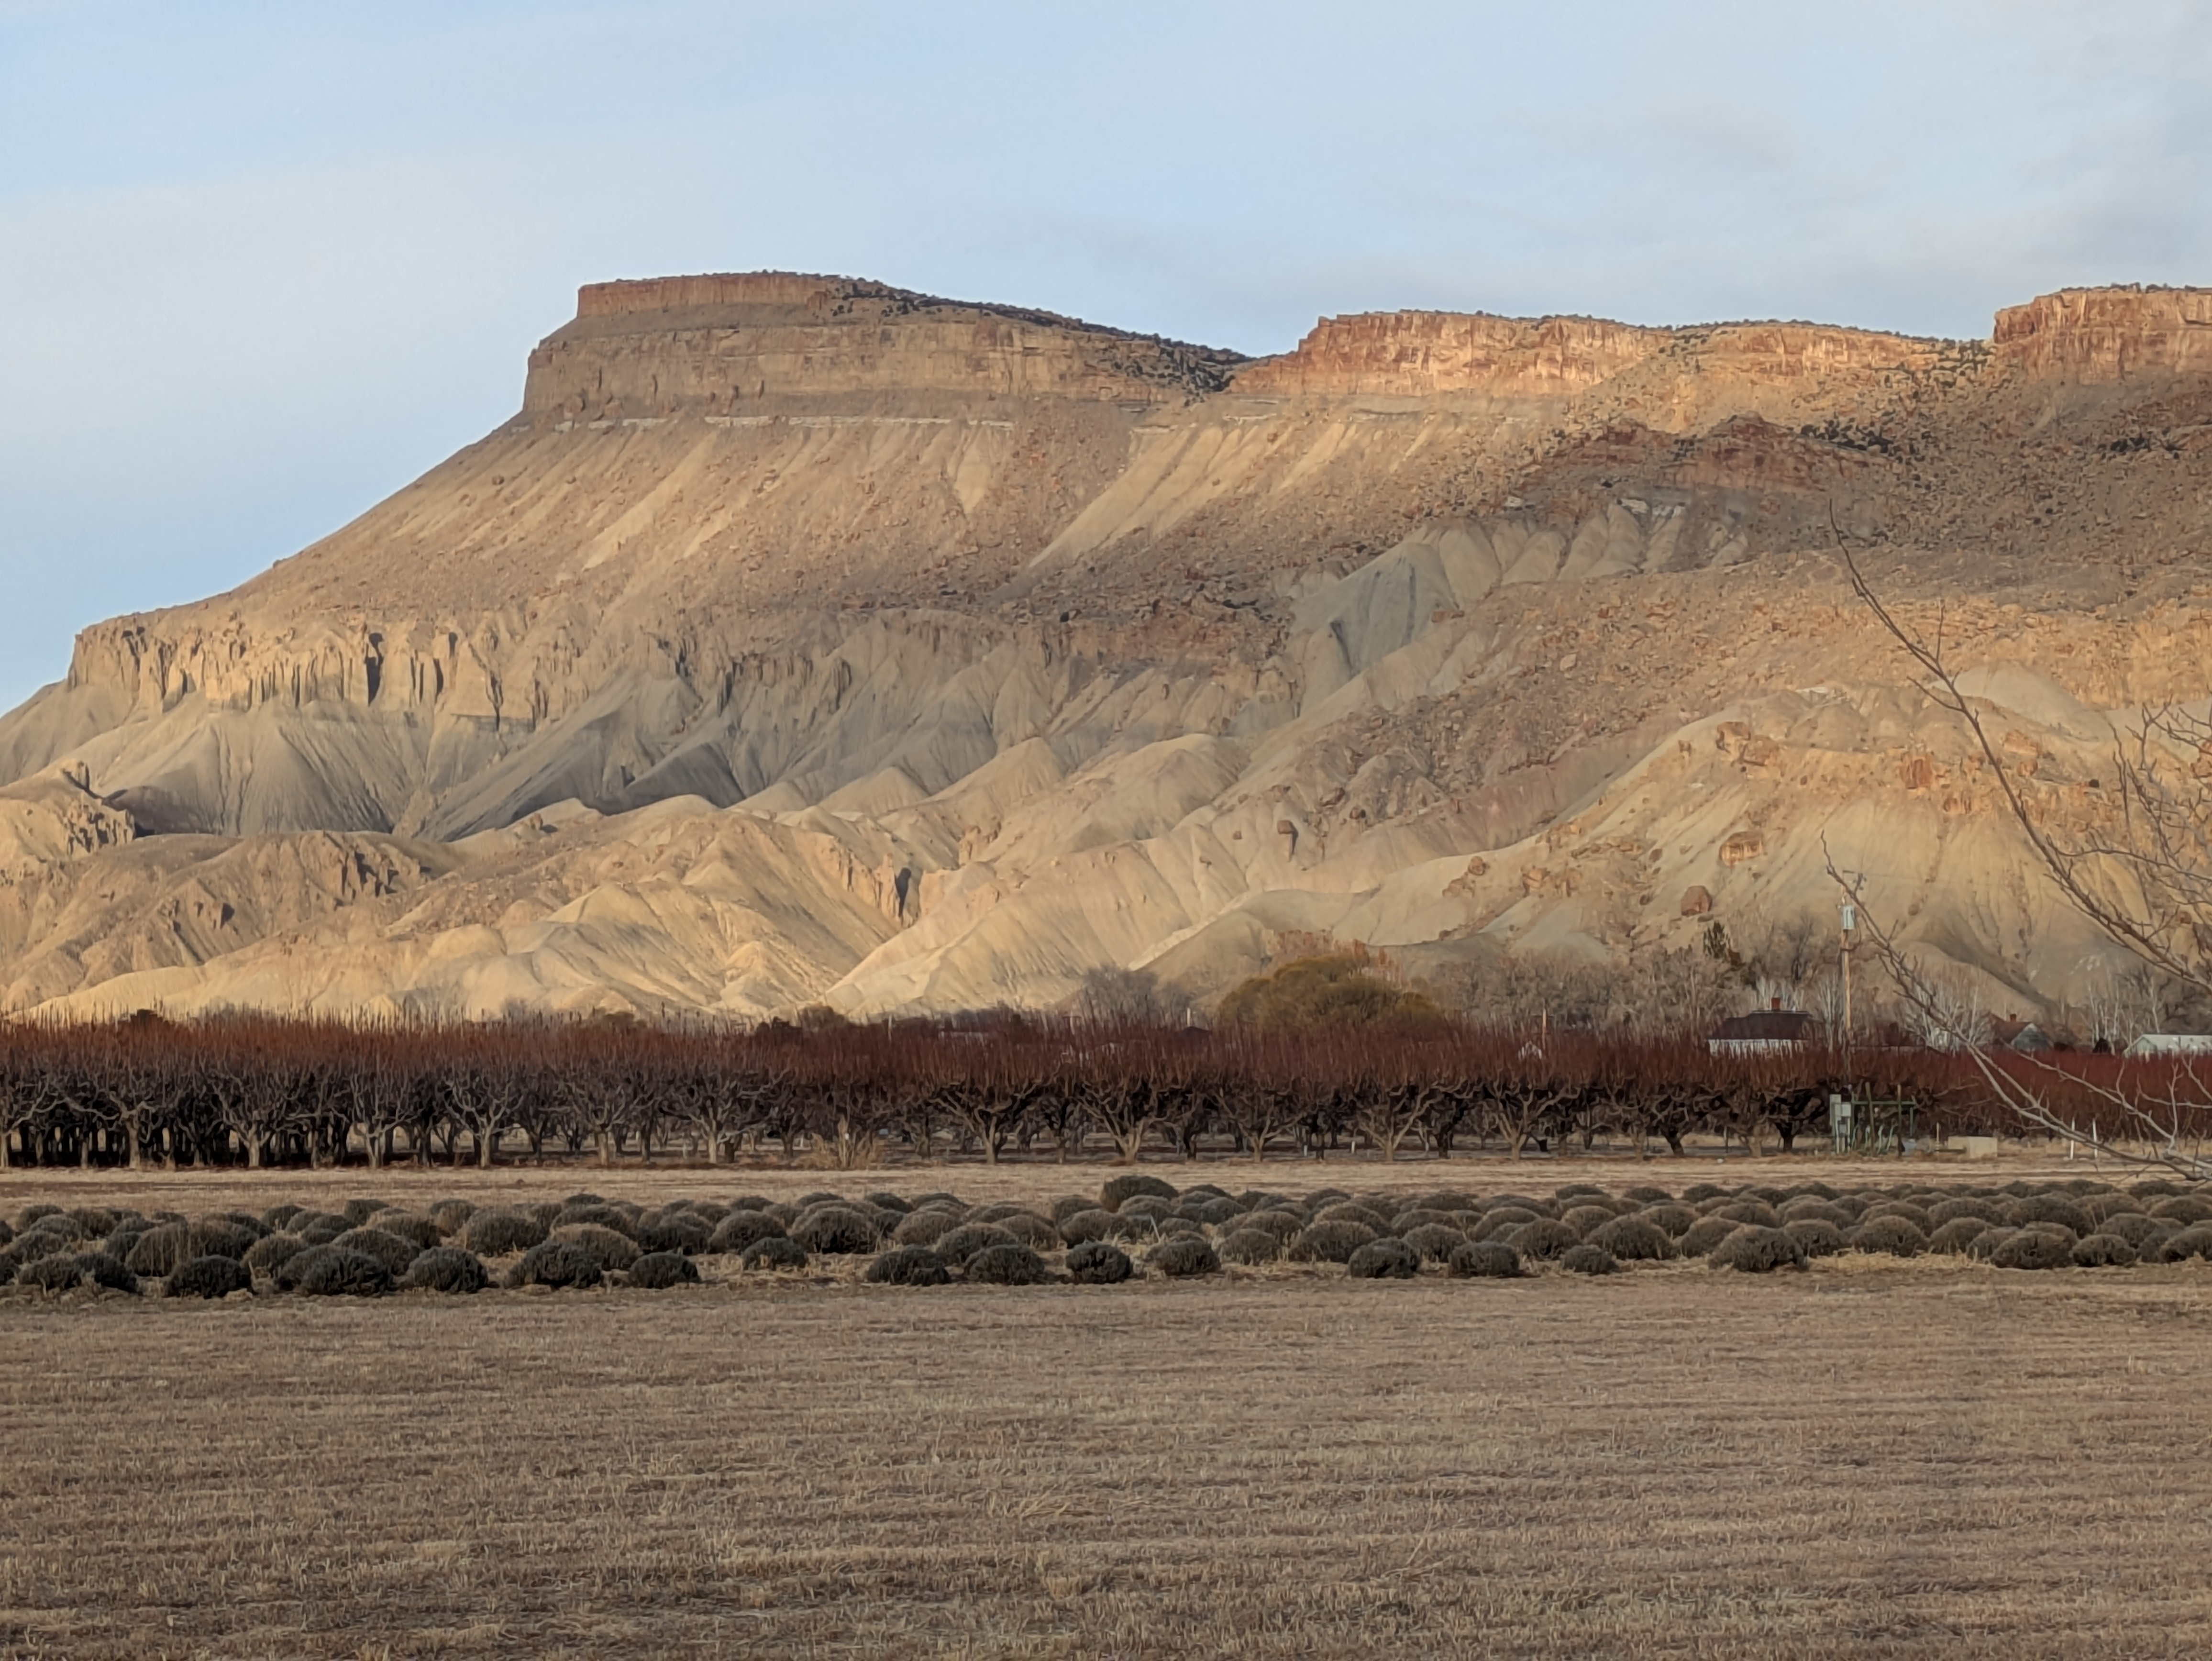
1876	1456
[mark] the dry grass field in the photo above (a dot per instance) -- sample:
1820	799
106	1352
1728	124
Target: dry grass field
1876	1456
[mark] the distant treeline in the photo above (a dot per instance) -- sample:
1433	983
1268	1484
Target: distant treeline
257	1092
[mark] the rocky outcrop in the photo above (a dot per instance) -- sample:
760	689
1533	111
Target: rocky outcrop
2092	335
730	345
1429	354
1420	354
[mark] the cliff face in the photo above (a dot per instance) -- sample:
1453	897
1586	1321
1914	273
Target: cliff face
2108	334
723	344
804	637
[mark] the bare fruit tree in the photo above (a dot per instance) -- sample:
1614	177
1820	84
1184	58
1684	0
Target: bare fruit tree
2141	875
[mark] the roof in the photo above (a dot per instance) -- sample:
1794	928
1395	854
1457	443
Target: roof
2171	1044
1765	1026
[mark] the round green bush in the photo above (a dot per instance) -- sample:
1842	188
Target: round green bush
358	1212
2183	1209
1351	1211
1420	1216
836	1229
1384	1259
1672	1220
451	1216
1486	1260
614	1250
1095	1225
1952	1238
1032	1230
1499	1221
1119	1189
1329	1243
1588	1259
419	1232
2195	1241
337	1271
1648	1195
1751	1248
666	1230
2136	1229
1284	1225
1214	1213
160	1250
1248	1246
1009	1265
500	1233
448	1269
741	1230
1433	1242
1949	1211
266	1255
62	1226
33	1244
1983	1247
1586	1220
595	1215
1096	1263
883	1200
1909	1212
1745	1211
1147	1208
1809	1210
927	1224
959	1245
1897	1236
1068	1205
1544	1239
208	1277
1185	1256
656	1271
775	1251
103	1271
1631	1240
65	1271
908	1266
2034	1248
2050	1209
2103	1251
556	1262
394	1253
319	1227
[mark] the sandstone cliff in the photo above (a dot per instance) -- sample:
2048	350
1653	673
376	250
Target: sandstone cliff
804	638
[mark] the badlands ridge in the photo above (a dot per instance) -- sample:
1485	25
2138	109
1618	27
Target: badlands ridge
803	640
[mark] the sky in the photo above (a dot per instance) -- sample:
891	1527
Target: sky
261	265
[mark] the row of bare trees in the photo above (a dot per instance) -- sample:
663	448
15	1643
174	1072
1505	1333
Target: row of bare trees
255	1092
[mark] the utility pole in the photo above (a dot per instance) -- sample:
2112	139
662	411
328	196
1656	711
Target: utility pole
1851	923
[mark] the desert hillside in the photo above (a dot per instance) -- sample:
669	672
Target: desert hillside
804	640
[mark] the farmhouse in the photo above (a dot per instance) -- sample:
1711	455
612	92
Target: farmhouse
1761	1033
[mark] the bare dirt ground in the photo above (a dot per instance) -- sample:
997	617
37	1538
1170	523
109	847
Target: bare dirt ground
419	1185
1877	1457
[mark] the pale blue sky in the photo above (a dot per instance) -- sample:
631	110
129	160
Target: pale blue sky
262	263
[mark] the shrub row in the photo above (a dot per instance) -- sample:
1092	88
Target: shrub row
1137	1222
